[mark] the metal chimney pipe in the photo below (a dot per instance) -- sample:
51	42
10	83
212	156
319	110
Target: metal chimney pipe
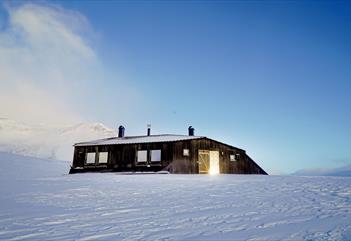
121	131
148	129
191	131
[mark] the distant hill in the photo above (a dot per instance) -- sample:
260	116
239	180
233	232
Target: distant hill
344	171
48	142
18	167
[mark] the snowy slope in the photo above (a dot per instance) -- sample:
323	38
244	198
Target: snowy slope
17	167
54	206
50	142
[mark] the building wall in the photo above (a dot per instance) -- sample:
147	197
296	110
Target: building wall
124	157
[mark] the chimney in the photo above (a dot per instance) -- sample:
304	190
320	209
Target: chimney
148	129
120	131
191	131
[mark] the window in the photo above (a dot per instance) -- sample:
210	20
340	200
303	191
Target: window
237	157
103	157
90	158
155	155
234	157
142	156
185	152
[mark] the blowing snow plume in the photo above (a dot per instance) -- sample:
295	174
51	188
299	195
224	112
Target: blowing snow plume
44	56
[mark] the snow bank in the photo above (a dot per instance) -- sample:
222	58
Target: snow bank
169	207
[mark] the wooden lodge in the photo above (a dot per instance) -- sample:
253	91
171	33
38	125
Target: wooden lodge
154	153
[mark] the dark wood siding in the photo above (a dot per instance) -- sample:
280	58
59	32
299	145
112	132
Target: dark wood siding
124	157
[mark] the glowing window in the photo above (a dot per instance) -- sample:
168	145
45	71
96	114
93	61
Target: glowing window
232	158
155	155
185	152
142	156
103	157
90	158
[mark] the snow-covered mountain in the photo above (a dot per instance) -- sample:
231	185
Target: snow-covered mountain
344	171
50	142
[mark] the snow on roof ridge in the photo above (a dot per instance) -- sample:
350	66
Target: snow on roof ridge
137	139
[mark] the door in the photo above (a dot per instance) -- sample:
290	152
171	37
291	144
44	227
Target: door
214	162
208	162
204	161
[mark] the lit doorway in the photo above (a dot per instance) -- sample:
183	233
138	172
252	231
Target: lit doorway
208	162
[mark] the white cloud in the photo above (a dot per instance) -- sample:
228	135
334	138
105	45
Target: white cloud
44	57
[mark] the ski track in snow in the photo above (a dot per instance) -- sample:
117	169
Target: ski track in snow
108	206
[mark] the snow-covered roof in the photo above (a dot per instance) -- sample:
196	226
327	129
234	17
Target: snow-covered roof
138	139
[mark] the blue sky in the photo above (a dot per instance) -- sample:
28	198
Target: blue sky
271	77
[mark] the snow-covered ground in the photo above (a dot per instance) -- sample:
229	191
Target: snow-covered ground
39	201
